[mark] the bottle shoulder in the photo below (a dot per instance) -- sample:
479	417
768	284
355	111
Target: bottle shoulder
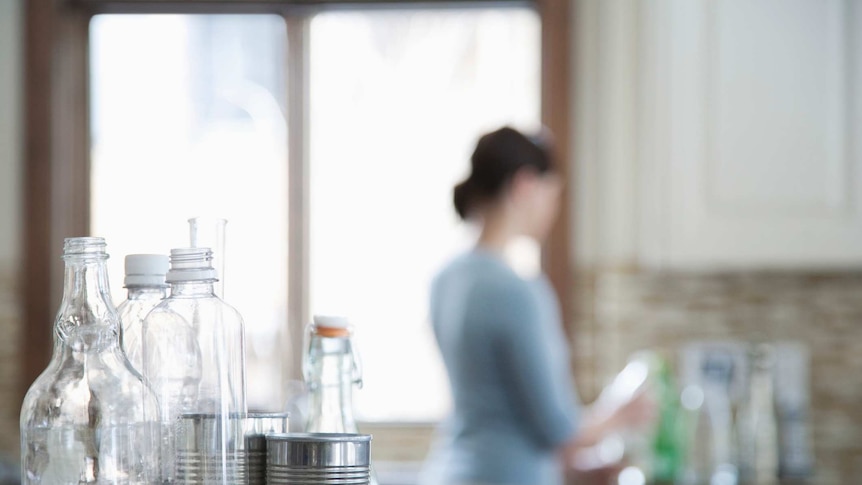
77	388
126	305
195	310
133	312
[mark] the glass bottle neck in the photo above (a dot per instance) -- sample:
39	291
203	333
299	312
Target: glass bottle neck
87	320
86	279
189	289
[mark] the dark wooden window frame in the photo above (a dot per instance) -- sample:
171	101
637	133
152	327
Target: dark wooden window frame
57	175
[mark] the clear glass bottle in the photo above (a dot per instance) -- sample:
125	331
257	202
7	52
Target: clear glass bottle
194	359
331	368
145	280
758	428
711	445
89	418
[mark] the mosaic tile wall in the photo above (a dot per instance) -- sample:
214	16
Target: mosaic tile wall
621	312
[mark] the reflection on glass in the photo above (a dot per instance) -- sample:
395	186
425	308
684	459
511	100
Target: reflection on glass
188	119
398	99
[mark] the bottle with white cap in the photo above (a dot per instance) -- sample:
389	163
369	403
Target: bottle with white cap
145	282
194	359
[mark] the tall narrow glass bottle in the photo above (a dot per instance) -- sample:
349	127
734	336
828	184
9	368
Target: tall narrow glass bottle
145	280
194	358
331	368
758	433
668	439
89	418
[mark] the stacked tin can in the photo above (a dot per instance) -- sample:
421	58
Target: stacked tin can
318	459
258	425
199	459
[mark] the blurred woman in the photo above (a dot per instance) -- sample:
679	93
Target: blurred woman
516	416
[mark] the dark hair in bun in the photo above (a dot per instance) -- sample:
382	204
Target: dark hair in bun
498	156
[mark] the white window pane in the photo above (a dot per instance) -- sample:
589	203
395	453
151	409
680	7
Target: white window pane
398	100
188	120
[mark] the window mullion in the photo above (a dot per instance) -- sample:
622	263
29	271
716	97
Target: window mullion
298	197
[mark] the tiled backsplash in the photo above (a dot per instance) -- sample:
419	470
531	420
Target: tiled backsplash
621	312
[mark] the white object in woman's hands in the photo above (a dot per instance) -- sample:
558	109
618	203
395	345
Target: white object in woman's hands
625	387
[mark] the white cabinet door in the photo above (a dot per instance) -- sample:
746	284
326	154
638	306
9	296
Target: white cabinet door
751	134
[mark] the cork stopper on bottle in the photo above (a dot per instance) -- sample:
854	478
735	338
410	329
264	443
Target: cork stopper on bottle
331	326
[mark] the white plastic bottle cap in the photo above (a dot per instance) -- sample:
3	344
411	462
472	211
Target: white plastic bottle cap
145	270
330	321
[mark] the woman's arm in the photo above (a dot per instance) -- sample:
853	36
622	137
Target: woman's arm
532	357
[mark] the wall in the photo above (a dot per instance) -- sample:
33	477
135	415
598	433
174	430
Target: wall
640	285
10	220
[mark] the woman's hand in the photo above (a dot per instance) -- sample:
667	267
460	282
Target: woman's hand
594	476
587	465
582	461
636	413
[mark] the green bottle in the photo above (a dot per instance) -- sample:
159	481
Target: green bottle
668	442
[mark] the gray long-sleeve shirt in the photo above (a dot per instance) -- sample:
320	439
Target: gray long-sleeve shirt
507	360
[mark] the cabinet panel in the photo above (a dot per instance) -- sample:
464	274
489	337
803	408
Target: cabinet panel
775	122
762	113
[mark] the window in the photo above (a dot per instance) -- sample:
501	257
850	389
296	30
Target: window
397	102
188	120
189	117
